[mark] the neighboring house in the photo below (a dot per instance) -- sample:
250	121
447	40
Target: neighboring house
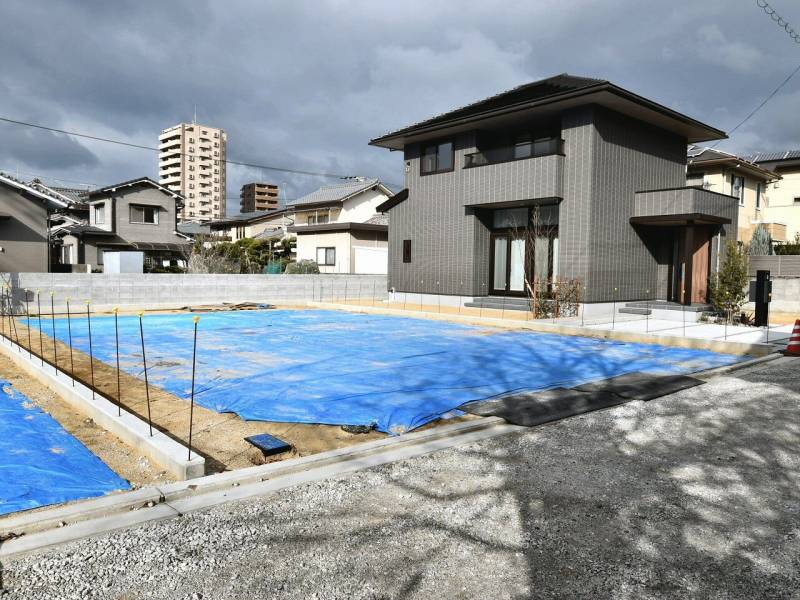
738	177
338	227
606	166
784	194
136	215
271	224
194	229
25	214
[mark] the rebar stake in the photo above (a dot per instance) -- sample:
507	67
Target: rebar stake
53	321
614	311
91	349
39	316
146	383
191	405
115	310
28	313
69	330
13	320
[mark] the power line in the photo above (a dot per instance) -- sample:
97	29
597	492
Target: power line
782	23
153	149
794	36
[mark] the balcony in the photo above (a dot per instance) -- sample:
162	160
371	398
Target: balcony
532	149
513	182
683	205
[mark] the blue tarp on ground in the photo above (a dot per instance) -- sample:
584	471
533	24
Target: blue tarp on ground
40	462
398	373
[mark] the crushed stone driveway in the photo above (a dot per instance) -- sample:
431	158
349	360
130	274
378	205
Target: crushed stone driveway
694	495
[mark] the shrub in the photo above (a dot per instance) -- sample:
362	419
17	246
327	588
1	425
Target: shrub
761	243
789	248
728	287
303	267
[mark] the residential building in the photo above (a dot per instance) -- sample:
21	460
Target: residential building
563	178
338	227
192	164
25	215
271	224
783	194
259	197
736	176
136	215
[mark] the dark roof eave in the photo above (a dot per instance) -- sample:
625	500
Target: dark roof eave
332	227
400	134
390	203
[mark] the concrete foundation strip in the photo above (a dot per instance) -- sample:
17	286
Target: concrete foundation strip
160	448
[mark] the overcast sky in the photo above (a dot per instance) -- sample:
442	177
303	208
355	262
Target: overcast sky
306	85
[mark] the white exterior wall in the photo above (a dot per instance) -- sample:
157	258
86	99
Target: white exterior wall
781	206
362	207
307	249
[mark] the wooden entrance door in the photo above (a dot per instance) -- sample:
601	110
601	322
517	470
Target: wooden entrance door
701	262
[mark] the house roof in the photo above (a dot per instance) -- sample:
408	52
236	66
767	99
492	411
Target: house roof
329	227
193	228
248	218
141	181
75	197
337	193
80	229
699	156
378	219
776	160
52	201
553	93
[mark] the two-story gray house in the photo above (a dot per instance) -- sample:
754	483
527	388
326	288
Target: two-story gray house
136	215
567	177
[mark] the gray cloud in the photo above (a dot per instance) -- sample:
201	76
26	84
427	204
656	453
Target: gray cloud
306	84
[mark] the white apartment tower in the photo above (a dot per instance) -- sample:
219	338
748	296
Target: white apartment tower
192	162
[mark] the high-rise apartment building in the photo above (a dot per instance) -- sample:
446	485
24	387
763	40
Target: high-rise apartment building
192	162
259	196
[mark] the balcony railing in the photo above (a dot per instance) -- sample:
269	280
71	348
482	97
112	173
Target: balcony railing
491	156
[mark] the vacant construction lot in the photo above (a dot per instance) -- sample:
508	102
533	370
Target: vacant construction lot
693	495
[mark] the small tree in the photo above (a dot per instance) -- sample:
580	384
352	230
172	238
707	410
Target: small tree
728	287
761	243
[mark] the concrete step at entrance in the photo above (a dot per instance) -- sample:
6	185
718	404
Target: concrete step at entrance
499	303
664	305
635	311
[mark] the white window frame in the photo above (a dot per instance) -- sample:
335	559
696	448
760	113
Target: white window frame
101	208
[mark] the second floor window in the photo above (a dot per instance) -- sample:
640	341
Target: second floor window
758	196
318	219
100	214
437	158
737	188
144	214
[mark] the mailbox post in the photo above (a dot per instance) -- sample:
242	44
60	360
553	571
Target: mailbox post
763	296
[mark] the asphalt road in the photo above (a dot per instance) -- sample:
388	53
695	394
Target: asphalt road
695	495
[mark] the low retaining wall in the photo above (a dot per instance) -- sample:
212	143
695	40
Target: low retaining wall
160	448
142	291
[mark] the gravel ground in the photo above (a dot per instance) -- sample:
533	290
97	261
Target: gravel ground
696	495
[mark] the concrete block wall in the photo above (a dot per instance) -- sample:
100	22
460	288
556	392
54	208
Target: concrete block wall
151	291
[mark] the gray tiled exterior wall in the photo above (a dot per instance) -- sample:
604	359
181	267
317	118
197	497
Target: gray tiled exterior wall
23	236
608	158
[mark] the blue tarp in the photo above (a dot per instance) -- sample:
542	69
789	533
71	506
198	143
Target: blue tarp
397	373
40	462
